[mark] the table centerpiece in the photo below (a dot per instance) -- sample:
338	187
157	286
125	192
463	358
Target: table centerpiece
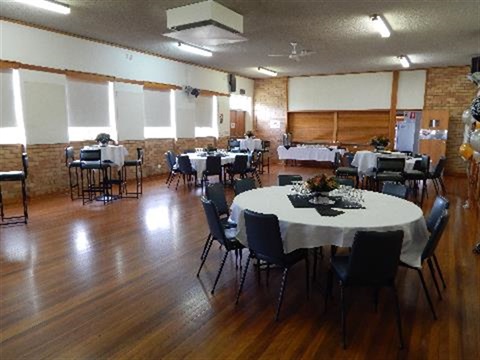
319	186
379	142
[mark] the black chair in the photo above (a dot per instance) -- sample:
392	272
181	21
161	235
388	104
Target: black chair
345	168
265	156
254	167
186	169
265	244
373	262
213	167
397	190
284	179
96	187
233	145
20	176
418	174
345	181
137	164
436	176
242	185
389	169
71	163
239	167
217	232
439	206
172	166
427	254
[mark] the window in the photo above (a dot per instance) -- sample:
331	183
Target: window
159	113
12	129
206	111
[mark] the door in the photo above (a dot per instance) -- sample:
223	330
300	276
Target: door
237	123
433	134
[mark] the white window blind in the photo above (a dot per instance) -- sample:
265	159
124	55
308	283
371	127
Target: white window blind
204	112
157	108
129	111
87	103
7	101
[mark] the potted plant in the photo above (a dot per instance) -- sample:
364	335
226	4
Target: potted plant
103	139
249	134
380	142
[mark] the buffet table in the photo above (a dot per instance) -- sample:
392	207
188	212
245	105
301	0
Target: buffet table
316	153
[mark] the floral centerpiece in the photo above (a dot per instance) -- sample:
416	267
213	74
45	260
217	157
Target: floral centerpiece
249	134
379	141
321	184
103	139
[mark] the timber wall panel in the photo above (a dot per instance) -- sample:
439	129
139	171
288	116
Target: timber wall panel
311	126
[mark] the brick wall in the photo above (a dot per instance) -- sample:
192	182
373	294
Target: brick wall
11	159
449	89
270	104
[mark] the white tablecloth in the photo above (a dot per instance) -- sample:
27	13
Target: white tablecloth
250	144
366	161
200	162
305	228
115	154
308	153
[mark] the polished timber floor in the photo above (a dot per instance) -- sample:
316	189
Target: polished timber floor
118	281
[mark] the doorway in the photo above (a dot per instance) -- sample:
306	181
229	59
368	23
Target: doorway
237	123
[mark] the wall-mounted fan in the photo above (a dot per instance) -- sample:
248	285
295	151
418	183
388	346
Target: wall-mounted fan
295	54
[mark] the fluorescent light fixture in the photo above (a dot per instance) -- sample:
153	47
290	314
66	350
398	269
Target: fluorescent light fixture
48	5
266	71
404	60
194	49
380	25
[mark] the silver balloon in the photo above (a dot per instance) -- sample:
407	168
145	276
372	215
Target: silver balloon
476	156
466	116
467	132
475	140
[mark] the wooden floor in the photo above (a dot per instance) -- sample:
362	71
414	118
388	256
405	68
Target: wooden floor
118	281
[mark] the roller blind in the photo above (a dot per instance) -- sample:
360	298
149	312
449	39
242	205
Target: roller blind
204	112
87	103
7	112
157	108
129	102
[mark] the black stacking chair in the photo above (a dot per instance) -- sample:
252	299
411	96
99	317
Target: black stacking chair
346	170
217	232
99	185
265	156
186	169
389	169
255	164
233	145
418	174
71	163
242	185
345	181
436	176
265	244
397	190
239	167
213	167
439	206
137	164
373	262
284	179
172	166
427	255
20	176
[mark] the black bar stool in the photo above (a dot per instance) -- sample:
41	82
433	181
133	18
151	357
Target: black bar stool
71	163
15	176
138	173
96	187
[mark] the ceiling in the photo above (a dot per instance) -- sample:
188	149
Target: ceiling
432	33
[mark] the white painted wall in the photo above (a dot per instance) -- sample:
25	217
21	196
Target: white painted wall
340	92
411	90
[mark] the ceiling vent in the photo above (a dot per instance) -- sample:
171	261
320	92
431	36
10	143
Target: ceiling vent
205	24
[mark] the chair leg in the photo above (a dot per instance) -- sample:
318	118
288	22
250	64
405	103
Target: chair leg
244	275
432	271
399	319
205	257
282	290
25	204
427	294
444	190
307	275
314	275
437	265
219	272
205	246
328	288
343	317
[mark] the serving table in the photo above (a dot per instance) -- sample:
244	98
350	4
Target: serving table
309	152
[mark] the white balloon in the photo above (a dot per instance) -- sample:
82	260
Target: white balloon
476	156
467	114
475	140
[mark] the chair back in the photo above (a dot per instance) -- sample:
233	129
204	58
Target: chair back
171	159
265	145
256	159
69	155
284	179
397	190
214	165
216	194
439	168
347	159
214	224
423	164
242	185
263	236
390	164
240	164
345	181
435	235
169	162
25	164
90	155
374	258
184	164
439	206
140	155
233	145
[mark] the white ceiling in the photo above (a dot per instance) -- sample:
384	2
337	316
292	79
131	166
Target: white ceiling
432	33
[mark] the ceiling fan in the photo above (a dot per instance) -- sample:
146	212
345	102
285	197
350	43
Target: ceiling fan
295	54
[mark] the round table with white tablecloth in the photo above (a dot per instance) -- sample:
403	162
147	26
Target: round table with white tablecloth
306	228
199	160
114	154
250	144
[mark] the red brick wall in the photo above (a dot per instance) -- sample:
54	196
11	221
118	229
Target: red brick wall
449	89
270	104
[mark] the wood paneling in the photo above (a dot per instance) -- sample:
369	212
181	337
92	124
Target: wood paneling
434	148
237	123
361	126
311	126
442	115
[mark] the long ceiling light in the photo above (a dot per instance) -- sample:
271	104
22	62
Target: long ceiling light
266	71
194	49
404	60
380	25
48	5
